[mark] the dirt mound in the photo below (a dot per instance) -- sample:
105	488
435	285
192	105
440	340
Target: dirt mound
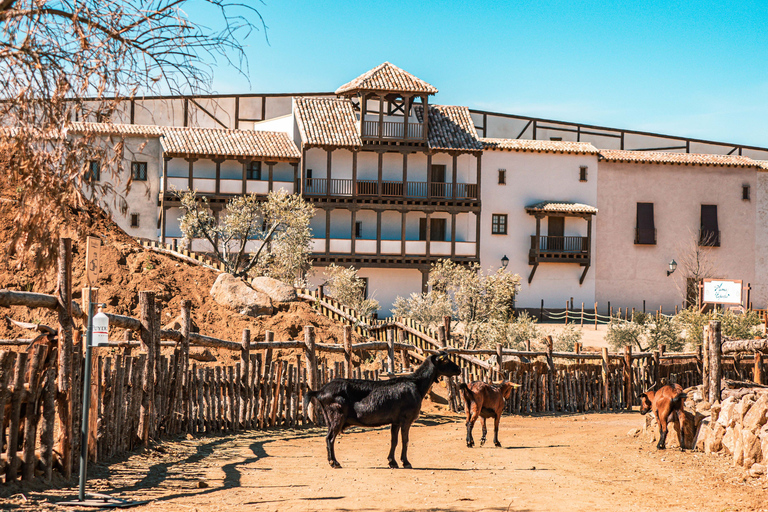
128	268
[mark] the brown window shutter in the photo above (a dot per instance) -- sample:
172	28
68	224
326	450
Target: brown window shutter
645	228
710	232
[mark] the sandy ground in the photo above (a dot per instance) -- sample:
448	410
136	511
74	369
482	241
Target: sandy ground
590	337
547	463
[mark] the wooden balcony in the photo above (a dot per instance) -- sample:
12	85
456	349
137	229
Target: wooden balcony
559	249
392	131
411	189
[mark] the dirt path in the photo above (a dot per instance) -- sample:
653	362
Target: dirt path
547	463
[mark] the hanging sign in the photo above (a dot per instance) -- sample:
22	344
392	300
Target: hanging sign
722	291
92	252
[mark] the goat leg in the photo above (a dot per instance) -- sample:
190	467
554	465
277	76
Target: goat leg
496	420
404	452
393	444
333	430
663	429
485	431
681	421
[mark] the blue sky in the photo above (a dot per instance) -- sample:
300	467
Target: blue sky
690	68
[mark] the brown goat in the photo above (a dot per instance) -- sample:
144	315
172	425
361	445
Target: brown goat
667	404
486	401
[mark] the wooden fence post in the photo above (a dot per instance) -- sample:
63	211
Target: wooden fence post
185	378
245	371
499	359
550	375
758	372
147	338
309	341
606	378
715	369
29	461
64	406
656	366
404	352
390	351
442	342
12	453
705	360
447	324
347	340
628	399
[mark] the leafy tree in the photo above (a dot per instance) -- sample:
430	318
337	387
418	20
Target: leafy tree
79	60
281	224
425	308
476	298
344	285
645	332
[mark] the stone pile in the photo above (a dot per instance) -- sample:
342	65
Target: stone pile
737	427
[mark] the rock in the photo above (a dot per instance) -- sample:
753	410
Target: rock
757	416
729	439
234	293
757	470
276	290
742	408
204	356
738	446
763	436
635	432
715	411
175	325
703	407
702	435
725	418
752	451
202	484
715	438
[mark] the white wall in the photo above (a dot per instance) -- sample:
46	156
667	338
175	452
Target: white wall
760	197
531	178
317	160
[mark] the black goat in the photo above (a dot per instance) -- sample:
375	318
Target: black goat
368	403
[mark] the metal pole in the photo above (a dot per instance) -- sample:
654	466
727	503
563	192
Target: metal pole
86	399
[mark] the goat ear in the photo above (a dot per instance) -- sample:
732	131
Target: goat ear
441	358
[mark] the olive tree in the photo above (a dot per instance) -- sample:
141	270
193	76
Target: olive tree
344	285
279	225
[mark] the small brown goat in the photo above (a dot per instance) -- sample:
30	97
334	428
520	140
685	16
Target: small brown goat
486	401
667	404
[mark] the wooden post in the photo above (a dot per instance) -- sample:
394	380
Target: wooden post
606	378
705	361
628	376
715	370
14	420
595	315
309	341
442	342
656	367
147	337
566	312
347	340
404	352
498	359
29	461
550	375
49	412
758	372
541	311
245	371
582	314
390	351
184	377
447	324
64	396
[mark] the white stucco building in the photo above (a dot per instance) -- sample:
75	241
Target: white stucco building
587	213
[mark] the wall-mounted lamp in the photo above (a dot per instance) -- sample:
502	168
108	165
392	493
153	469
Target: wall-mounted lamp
504	262
672	267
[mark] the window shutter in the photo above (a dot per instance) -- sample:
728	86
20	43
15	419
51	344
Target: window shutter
645	227
710	232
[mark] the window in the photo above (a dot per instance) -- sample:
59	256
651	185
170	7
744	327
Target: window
438	173
358	229
583	173
365	287
709	235
309	178
436	229
502	176
139	171
645	229
745	192
94	171
134	220
253	171
499	224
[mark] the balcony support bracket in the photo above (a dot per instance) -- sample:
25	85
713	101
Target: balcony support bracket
533	271
583	274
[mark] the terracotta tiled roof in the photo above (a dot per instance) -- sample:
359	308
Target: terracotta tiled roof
202	141
660	157
547	146
234	143
327	122
387	78
560	207
450	128
141	130
763	164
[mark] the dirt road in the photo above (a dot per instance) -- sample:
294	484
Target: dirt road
547	463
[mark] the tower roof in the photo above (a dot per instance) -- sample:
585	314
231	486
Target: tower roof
387	78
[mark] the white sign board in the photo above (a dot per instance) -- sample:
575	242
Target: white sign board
722	291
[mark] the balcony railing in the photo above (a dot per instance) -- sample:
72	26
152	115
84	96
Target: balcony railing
393	247
560	244
414	189
709	238
392	130
645	236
